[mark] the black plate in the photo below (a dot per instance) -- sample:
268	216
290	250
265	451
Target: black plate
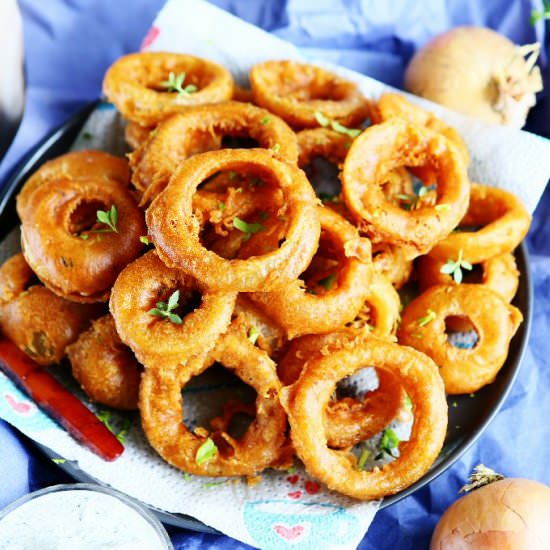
467	419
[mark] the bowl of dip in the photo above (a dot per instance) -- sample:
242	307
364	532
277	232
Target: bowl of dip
83	516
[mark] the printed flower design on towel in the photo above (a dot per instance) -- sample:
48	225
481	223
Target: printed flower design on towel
17	409
150	37
299	525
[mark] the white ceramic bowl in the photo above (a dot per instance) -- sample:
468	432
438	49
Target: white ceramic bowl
80	516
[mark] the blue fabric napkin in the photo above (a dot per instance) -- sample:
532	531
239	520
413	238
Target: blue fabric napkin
69	45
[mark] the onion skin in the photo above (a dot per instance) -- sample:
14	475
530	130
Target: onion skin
458	69
509	514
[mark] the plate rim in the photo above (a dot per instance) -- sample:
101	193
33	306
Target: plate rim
521	339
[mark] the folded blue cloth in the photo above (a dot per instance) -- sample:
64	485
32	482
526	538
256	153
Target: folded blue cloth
69	45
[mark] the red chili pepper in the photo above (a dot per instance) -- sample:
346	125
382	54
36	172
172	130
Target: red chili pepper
57	402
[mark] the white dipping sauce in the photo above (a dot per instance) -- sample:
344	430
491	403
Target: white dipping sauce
77	519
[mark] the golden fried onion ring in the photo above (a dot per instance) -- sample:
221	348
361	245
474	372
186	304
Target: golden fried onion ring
264	443
301	312
200	129
104	367
384	147
36	320
76	165
494	320
134	84
498	273
156	340
396	105
308	397
58	214
503	222
296	91
175	229
349	420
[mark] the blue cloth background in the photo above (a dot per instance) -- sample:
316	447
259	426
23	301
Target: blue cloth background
69	45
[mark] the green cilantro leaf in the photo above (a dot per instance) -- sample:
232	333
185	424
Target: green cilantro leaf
276	148
221	206
322	119
351	132
363	459
248	228
108	218
175	84
207	451
165	310
442	207
145	240
388	443
265	120
455	268
428	318
253	334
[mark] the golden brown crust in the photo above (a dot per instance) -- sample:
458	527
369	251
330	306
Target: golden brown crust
105	368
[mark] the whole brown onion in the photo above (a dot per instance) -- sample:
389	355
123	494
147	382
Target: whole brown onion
478	72
507	514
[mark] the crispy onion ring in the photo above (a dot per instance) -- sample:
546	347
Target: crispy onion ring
104	367
322	142
296	91
40	323
384	147
137	135
499	273
396	105
58	214
76	165
349	420
175	229
495	321
264	443
308	397
200	129
380	312
156	340
344	261
391	262
134	84
251	322
503	223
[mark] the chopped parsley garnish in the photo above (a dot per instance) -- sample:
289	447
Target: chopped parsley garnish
247	228
165	310
413	202
328	282
427	319
265	120
108	218
325	122
322	119
232	175
442	207
87	135
175	83
455	268
84	236
408	403
207	451
363	459
58	460
221	206
276	148
388	443
145	240
106	416
253	334
256	181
